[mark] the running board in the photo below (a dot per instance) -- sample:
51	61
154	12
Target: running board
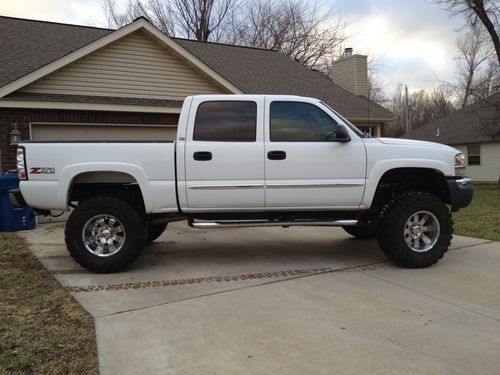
203	224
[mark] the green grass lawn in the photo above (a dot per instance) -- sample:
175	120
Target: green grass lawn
43	330
481	218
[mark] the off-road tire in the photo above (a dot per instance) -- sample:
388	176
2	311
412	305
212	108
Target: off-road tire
362	231
130	219
391	227
155	231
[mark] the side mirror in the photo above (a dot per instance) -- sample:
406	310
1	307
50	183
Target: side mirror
342	135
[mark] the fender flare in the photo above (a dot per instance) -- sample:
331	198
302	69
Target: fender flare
69	172
382	167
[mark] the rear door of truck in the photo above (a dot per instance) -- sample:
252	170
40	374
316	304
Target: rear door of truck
224	154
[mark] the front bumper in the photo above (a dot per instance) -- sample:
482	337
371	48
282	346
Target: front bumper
461	191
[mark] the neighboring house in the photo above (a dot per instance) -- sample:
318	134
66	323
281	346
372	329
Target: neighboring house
68	82
474	130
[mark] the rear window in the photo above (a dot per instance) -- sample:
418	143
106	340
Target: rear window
226	121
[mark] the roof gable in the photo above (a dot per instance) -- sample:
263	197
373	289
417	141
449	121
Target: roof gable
135	66
138	24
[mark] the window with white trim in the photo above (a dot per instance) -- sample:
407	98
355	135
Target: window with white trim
474	155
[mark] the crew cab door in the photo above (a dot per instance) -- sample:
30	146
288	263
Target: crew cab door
306	167
224	154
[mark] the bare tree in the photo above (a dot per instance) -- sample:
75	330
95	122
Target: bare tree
420	108
116	19
487	81
376	86
160	14
474	52
486	12
199	18
376	89
296	28
193	19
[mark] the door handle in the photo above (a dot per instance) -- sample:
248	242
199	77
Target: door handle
276	155
202	155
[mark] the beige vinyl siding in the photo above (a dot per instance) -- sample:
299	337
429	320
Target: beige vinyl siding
351	73
489	169
100	132
135	66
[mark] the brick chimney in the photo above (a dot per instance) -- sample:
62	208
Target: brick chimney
351	72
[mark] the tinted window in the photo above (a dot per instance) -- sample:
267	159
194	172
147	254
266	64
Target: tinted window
300	122
226	121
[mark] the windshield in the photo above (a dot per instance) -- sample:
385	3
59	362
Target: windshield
355	129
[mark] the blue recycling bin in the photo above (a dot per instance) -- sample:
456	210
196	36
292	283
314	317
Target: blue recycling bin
13	218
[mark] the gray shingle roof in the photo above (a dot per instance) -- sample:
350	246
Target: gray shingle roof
478	122
26	45
258	71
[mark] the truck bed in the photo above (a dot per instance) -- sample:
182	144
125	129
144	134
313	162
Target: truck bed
54	166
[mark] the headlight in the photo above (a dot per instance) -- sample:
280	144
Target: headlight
459	164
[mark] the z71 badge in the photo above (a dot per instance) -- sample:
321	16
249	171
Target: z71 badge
37	170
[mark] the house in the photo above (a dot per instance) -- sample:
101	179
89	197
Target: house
70	82
474	130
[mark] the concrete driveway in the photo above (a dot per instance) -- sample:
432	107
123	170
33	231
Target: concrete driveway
286	301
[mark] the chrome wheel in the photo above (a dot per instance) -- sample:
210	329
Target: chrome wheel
103	235
421	231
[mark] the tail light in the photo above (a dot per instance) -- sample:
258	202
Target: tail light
21	164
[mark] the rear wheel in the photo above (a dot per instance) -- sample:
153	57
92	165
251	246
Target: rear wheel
105	234
415	230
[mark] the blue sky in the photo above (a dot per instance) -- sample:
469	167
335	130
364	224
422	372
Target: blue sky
412	41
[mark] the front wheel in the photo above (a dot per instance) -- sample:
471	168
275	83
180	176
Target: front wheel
105	234
415	230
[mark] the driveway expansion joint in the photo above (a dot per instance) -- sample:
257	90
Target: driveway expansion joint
298	274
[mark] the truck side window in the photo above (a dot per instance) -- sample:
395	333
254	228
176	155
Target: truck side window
300	122
226	121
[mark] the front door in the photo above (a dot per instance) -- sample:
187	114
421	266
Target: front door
224	155
305	166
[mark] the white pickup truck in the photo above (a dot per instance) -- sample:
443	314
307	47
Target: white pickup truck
248	160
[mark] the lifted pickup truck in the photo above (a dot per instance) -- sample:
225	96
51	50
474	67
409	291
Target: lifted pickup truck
248	160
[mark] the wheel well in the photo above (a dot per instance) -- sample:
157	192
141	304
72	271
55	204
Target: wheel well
399	180
116	184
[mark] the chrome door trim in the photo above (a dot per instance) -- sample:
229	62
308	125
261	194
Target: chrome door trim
304	186
225	187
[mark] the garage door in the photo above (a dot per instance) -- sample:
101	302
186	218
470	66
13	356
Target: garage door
100	132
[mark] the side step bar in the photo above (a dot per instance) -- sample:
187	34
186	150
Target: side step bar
203	224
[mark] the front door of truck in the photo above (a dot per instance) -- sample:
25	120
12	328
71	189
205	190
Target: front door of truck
306	167
224	154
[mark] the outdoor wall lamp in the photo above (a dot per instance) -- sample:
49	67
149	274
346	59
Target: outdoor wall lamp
15	135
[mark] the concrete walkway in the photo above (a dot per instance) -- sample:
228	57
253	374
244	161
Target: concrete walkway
286	301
